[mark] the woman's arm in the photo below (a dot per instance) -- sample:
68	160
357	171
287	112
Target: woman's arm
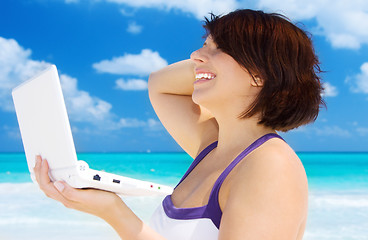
103	204
129	226
170	92
176	79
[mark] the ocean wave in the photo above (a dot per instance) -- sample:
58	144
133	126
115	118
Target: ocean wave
333	199
32	220
340	215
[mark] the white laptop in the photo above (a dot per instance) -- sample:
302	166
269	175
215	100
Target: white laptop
45	131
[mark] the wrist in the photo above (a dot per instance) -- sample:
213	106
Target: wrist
120	217
113	211
128	225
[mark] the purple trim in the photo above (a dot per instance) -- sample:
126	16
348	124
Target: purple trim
199	158
213	203
182	213
212	210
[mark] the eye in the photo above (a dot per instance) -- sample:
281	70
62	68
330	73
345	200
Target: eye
210	43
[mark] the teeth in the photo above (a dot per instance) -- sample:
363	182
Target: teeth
205	75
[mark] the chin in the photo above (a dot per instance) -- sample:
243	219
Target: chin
205	98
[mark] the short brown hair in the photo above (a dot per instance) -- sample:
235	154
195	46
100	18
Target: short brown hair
270	47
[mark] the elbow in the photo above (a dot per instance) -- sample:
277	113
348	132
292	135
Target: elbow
152	79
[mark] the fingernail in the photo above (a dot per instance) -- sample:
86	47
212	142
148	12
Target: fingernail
59	186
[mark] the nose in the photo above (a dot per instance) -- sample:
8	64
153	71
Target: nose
198	56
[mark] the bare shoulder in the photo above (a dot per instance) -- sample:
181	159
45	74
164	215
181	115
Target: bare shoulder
270	191
274	157
274	162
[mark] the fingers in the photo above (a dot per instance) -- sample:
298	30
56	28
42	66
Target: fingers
75	195
67	191
37	167
82	200
59	190
96	202
41	170
71	196
44	172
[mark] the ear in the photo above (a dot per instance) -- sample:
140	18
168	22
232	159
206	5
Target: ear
256	81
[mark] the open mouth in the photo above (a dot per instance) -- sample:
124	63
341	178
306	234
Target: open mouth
204	77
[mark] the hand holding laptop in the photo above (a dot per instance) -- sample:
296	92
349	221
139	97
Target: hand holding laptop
45	130
96	202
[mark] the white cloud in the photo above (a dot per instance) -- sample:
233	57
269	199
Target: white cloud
362	131
12	132
343	23
134	123
16	66
136	64
134	28
127	13
329	90
199	8
131	84
81	106
71	1
131	123
331	131
359	82
154	124
324	130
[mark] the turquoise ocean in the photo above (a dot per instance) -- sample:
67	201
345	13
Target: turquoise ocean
338	196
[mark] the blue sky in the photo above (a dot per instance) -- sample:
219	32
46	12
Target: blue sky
105	50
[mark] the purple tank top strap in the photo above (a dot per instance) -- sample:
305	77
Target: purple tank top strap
248	150
198	159
213	207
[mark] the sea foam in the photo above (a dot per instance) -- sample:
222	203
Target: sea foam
25	213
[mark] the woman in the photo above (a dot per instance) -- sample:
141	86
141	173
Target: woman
256	73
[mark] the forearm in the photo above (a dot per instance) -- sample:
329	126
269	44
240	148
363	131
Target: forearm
129	226
176	78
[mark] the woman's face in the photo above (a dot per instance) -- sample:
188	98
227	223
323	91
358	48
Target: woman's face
220	80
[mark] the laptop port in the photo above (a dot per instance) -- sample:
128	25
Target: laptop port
116	181
97	177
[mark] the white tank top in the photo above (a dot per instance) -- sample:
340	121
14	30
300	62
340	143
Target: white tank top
198	223
178	229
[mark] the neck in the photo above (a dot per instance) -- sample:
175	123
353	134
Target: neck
235	134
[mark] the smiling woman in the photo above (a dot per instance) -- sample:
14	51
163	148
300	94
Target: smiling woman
255	74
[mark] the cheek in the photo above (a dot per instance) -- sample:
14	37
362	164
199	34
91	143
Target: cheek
234	85
232	76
